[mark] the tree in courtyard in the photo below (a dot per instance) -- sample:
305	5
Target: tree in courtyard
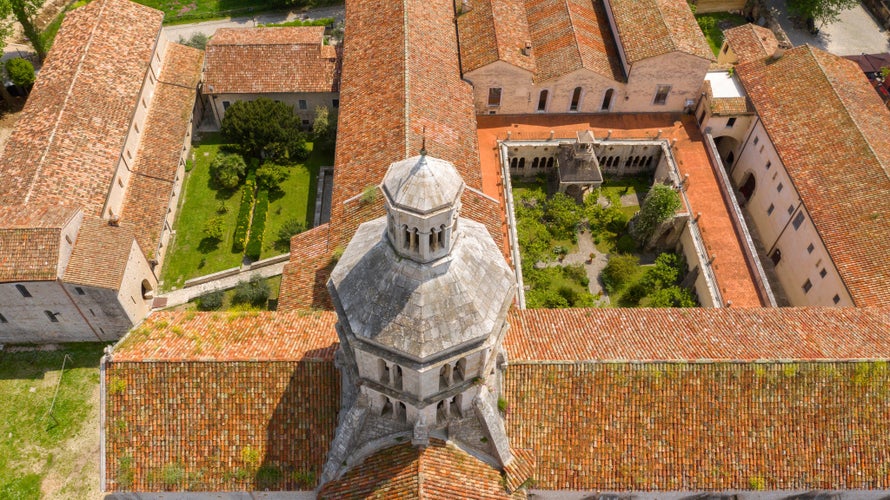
21	72
227	170
264	128
287	230
660	205
198	40
824	11
324	129
254	292
25	12
270	176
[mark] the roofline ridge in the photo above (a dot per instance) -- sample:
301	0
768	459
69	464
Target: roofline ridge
846	110
575	33
668	28
64	107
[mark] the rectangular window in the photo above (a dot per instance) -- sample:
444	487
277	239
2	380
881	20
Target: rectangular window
725	48
68	239
79	291
661	94
306	123
798	220
823	273
3	319
335	103
807	285
780	187
790	209
769	211
226	105
756	140
769	164
810	248
730	123
836	299
302	103
136	127
24	291
52	316
494	97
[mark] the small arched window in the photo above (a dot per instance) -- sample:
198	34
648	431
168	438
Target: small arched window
576	99
535	163
514	162
550	162
607	100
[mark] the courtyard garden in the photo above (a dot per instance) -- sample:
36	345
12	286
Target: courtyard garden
245	195
713	25
588	255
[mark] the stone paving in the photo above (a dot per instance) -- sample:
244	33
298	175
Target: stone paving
855	33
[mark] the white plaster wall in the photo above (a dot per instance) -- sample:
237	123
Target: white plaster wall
101	309
753	160
26	320
798	265
66	241
313	100
719	126
515	84
684	73
130	294
687	246
593	89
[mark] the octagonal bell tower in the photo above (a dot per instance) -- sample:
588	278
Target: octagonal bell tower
421	296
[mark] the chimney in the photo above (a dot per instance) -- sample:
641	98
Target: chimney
780	51
527	50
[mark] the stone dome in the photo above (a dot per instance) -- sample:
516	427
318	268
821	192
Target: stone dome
422	184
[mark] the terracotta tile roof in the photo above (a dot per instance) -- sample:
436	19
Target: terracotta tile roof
650	28
232	336
260	60
246	425
438	471
708	426
727	106
750	42
393	99
69	138
698	334
522	469
100	254
29	241
572	34
303	282
494	30
154	172
849	206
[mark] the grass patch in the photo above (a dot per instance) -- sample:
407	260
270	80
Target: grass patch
712	25
274	284
188	11
192	254
32	448
324	21
295	199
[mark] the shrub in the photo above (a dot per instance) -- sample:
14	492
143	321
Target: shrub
254	292
243	221
214	228
667	271
619	271
211	301
672	296
198	40
258	226
287	231
660	205
227	170
173	474
625	244
222	208
369	195
270	176
21	72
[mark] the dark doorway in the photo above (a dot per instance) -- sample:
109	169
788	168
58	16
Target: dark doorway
747	188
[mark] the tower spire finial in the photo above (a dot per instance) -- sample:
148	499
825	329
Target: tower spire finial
423	142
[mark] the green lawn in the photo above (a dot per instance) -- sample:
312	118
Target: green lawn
712	25
187	11
40	457
297	202
192	255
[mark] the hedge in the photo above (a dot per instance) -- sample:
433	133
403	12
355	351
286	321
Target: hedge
243	221
258	226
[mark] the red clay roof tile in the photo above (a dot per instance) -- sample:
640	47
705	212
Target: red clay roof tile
650	28
750	42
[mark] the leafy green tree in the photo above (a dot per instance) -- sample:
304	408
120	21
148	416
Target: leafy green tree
198	40
666	272
619	271
563	216
287	231
672	296
264	128
270	176
660	205
214	228
21	72
26	12
227	170
824	11
324	129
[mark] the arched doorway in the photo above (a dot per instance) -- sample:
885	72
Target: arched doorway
726	147
147	291
747	187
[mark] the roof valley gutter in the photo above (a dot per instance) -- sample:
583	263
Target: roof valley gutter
52	136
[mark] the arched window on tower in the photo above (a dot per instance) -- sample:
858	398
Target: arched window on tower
607	100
